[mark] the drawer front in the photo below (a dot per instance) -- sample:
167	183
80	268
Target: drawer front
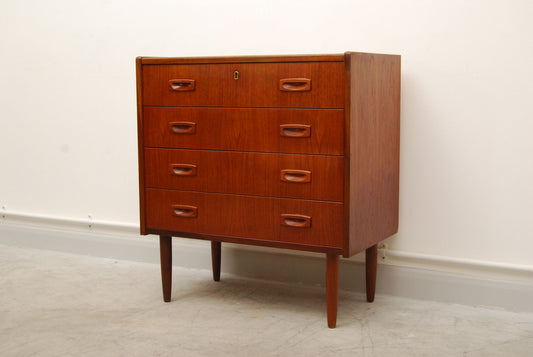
273	219
261	174
284	85
306	131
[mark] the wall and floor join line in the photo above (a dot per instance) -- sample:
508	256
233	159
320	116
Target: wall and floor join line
401	274
57	304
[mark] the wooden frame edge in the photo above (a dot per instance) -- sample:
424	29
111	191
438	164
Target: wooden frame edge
347	115
140	143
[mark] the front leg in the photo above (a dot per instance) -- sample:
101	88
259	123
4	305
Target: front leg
165	250
332	288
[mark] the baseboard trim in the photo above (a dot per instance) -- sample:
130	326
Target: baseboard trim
67	223
509	287
478	268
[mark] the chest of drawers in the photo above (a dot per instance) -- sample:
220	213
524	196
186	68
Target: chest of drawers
294	152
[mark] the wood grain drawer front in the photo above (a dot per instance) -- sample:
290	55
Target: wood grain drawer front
306	131
285	85
265	218
261	174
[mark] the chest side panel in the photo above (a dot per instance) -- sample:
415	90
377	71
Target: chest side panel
373	129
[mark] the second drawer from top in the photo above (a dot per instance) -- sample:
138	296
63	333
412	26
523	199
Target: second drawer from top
305	131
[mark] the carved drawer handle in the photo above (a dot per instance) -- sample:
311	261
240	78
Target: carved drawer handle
295	220
182	127
295	84
183	169
182	85
295	130
296	176
184	211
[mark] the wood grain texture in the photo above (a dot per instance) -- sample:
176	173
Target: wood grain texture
372	148
140	143
294	152
240	129
257	86
246	216
245	59
332	288
245	173
248	241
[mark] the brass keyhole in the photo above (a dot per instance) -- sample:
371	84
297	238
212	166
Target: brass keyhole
236	75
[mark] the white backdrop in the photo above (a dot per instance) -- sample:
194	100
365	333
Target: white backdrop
68	105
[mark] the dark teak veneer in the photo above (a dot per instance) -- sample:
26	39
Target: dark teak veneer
296	152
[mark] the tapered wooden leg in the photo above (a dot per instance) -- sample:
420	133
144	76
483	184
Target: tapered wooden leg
371	262
215	259
332	288
165	250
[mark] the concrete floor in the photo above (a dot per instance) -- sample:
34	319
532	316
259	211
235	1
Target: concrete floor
55	304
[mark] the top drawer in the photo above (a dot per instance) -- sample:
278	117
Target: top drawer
282	85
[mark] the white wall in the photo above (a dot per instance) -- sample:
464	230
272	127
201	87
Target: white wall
68	106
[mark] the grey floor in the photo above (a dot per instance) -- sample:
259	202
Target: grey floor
55	304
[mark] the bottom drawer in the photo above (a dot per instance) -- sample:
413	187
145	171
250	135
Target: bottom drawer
265	218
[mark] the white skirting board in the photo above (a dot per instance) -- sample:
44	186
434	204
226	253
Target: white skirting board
402	274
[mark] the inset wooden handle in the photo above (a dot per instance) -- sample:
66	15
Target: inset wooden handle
184	211
183	169
182	127
296	176
295	84
295	130
295	220
182	85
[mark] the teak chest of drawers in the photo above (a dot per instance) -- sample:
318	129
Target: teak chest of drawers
295	152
